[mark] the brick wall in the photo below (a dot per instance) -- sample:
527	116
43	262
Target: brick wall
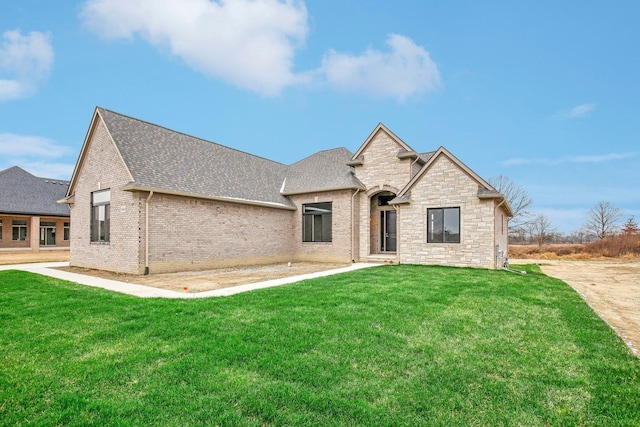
187	233
194	234
446	185
103	168
339	249
33	225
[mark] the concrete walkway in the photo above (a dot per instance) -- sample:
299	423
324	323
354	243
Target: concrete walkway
48	269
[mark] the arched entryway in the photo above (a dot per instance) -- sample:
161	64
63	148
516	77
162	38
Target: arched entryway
383	226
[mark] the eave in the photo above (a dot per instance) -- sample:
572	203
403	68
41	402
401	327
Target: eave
133	188
319	190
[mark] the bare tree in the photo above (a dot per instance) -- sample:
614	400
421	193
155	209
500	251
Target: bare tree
518	199
630	228
602	219
541	229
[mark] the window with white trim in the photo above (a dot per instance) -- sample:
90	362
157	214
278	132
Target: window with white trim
443	225
100	215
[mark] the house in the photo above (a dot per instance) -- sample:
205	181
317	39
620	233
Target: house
145	198
30	218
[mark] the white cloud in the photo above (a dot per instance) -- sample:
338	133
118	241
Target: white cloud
599	158
404	71
250	43
575	112
12	145
35	154
25	61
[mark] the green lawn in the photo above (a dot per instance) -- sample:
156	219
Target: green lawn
390	345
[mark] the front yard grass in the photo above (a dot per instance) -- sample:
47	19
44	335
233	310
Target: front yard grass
389	346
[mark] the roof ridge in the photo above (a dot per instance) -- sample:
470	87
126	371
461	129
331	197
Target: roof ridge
189	135
319	152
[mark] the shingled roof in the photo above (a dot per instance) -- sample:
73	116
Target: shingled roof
322	171
164	160
22	193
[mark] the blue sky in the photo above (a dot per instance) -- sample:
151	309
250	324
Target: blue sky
544	92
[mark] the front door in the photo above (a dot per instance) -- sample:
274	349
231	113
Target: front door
388	235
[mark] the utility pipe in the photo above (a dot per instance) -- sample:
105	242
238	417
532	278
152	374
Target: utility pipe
146	233
495	231
353	226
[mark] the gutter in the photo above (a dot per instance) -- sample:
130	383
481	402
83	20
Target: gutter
146	233
132	187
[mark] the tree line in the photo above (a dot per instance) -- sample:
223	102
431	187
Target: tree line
601	221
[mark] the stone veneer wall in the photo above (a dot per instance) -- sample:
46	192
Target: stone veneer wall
339	249
381	170
103	168
446	185
194	234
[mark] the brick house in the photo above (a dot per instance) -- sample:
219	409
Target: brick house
144	198
30	218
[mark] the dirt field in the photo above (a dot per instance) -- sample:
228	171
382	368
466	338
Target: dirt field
610	287
200	281
24	257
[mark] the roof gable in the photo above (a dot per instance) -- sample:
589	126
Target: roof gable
485	190
381	128
96	119
24	193
164	160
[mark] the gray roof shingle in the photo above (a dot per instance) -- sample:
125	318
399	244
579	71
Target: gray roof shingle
165	160
325	170
25	194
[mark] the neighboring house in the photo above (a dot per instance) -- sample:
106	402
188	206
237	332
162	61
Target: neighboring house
145	199
30	218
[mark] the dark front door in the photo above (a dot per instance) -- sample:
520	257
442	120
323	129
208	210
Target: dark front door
388	235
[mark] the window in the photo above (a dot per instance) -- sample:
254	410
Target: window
47	233
19	230
443	225
100	207
316	222
66	231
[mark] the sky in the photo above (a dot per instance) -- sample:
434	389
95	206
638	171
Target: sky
546	93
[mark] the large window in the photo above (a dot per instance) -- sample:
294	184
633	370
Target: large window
100	207
47	233
316	222
19	229
443	225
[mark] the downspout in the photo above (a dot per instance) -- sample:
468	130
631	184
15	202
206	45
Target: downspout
495	231
397	209
502	267
353	226
146	233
